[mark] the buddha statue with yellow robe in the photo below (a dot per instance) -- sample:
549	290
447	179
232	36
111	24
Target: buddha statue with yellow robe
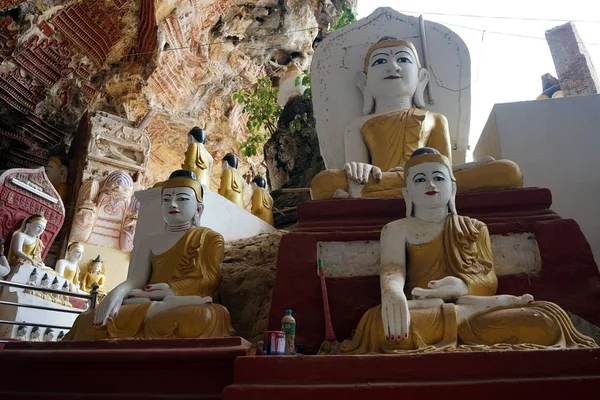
232	183
438	285
95	274
197	158
173	275
26	245
378	144
68	267
262	202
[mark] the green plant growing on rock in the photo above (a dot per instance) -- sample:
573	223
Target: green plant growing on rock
301	120
346	16
260	105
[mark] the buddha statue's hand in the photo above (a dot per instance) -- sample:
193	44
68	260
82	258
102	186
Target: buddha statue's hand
110	306
359	172
395	315
157	291
447	289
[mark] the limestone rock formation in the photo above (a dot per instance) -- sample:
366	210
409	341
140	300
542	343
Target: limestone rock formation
248	275
183	59
292	159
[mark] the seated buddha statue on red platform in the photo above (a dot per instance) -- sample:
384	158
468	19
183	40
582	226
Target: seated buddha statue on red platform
438	284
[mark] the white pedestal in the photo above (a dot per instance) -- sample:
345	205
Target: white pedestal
556	143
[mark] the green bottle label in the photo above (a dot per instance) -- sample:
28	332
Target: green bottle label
289	328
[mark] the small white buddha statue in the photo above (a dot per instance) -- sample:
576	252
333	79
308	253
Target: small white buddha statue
26	245
4	266
45	283
173	275
36	334
22	332
68	267
49	335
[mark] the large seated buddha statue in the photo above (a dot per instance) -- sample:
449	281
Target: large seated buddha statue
393	125
173	275
438	285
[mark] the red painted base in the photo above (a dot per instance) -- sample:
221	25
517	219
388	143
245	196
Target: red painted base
556	374
119	369
569	275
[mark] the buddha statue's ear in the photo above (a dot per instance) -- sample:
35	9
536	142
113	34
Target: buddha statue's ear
196	221
408	201
369	101
452	202
419	97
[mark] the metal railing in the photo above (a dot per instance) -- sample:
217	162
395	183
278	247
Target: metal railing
92	297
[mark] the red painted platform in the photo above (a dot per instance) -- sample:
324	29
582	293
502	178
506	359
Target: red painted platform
569	275
119	369
550	374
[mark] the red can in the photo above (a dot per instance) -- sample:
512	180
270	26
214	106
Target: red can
274	343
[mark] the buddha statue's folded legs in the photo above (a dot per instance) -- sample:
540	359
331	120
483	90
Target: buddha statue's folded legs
167	321
494	175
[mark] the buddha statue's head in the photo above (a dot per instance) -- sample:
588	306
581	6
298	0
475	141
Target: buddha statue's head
196	135
74	252
182	199
259	182
35	225
49	335
96	266
430	183
55	284
230	161
35	333
56	171
45	282
392	70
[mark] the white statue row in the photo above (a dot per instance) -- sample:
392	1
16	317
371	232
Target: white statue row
37	334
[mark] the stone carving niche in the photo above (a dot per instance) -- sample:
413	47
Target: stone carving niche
115	144
106	213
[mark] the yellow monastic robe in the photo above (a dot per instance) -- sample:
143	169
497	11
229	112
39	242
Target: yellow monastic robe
89	279
463	250
33	250
262	205
232	186
197	160
72	276
392	137
192	268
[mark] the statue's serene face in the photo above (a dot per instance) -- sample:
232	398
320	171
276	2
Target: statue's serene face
35	228
96	268
75	254
429	185
393	71
53	172
179	205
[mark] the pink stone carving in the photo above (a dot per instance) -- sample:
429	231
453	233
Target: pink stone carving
24	192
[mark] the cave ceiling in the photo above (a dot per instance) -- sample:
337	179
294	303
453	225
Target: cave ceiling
176	62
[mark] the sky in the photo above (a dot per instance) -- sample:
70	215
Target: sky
504	68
